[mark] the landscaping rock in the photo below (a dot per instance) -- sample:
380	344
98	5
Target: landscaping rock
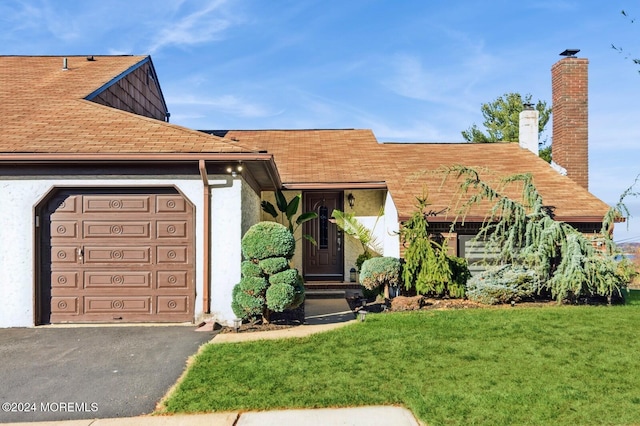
404	303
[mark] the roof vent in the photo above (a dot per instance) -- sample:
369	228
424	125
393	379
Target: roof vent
91	58
65	64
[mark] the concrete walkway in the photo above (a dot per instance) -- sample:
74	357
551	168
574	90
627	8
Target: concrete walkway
357	416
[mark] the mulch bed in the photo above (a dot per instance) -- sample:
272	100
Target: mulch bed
295	318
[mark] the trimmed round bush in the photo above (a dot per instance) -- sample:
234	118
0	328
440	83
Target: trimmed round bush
502	284
250	269
380	271
268	239
246	306
280	296
248	297
273	265
253	285
288	277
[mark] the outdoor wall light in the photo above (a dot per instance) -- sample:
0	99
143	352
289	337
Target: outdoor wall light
351	200
237	322
362	314
234	171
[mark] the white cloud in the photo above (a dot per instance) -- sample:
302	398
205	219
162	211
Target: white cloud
206	24
227	104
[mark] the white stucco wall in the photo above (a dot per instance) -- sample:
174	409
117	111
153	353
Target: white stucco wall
234	210
19	197
391	227
226	234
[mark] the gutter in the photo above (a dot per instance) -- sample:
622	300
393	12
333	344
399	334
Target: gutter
206	274
110	158
335	185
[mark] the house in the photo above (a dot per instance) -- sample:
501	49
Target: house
112	214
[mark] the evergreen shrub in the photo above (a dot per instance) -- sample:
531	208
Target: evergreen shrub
280	296
250	269
273	265
288	277
380	271
249	297
268	239
268	283
503	284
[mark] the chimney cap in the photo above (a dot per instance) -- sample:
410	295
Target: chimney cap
570	53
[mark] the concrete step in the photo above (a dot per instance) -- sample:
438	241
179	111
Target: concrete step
324	294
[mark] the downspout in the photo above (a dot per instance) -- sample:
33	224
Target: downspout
206	300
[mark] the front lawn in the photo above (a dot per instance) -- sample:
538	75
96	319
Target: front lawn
551	365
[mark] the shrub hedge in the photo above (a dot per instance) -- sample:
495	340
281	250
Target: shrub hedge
380	271
268	239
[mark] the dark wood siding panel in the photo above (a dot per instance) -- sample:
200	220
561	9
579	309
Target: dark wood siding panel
138	92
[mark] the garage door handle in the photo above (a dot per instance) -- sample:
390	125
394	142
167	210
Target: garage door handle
80	253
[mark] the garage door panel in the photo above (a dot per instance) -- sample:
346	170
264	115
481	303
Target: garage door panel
171	229
116	203
172	254
115	254
172	279
65	205
116	280
172	304
64	229
116	229
64	279
170	204
117	305
65	305
64	254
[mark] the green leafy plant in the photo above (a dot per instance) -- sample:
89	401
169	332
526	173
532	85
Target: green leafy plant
567	264
380	272
268	282
288	209
356	229
362	257
428	268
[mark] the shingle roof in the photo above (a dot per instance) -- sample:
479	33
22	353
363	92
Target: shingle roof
354	156
319	156
417	167
43	110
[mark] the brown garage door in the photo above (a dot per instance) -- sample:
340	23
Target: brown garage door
119	258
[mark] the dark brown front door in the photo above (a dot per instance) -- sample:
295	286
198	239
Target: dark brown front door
323	261
117	257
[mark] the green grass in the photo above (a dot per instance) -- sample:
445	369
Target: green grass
551	365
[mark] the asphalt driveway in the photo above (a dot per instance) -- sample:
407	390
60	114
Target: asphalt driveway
90	372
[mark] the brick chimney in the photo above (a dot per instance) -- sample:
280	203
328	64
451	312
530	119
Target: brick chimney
570	117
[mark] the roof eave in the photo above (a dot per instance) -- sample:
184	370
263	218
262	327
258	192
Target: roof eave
41	158
334	185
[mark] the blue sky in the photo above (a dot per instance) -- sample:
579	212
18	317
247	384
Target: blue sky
410	70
